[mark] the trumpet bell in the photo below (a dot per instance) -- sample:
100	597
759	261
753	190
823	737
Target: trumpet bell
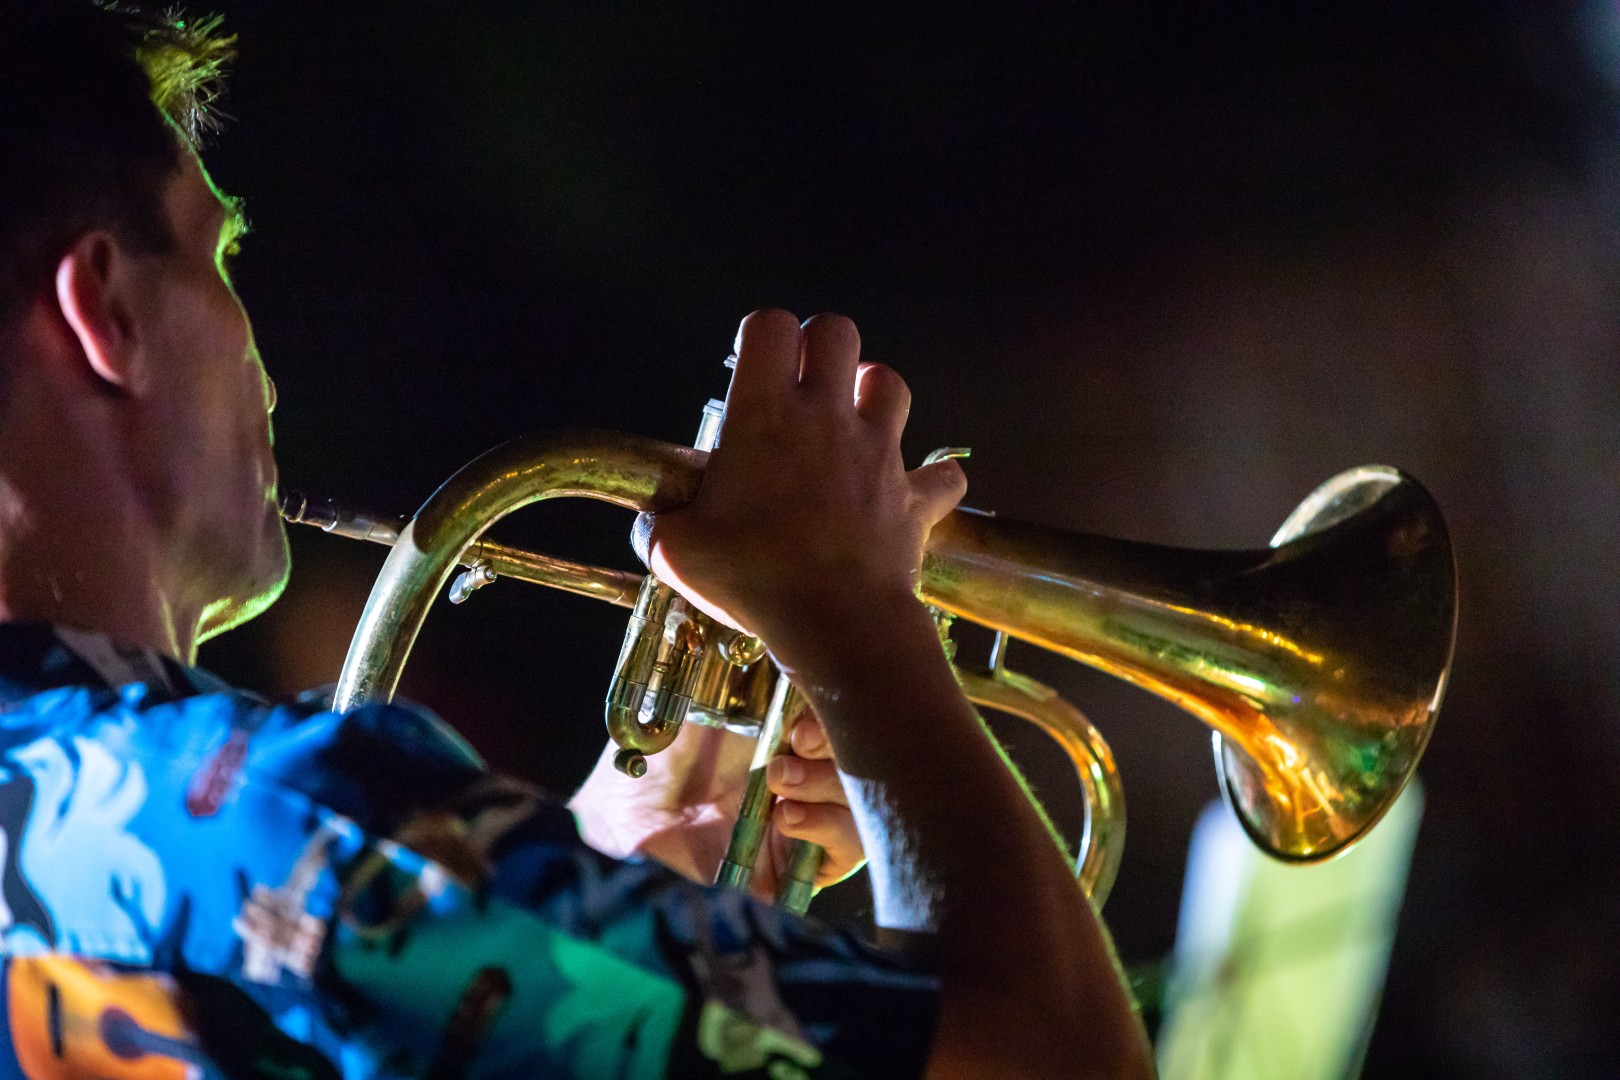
1318	662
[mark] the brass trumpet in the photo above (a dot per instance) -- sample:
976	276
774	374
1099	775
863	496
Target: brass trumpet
1319	662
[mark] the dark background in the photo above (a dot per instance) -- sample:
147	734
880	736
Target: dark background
1163	268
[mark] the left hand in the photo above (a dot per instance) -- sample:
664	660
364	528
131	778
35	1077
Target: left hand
681	813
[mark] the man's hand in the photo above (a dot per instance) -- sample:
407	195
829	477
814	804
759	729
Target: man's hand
807	519
682	811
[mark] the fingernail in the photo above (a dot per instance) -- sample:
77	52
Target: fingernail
789	770
809	738
793	813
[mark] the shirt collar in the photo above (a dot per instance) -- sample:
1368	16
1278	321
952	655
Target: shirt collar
38	656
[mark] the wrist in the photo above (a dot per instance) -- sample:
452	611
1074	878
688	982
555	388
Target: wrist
850	643
882	650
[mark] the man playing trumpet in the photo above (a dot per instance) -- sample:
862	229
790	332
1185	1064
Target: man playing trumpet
194	877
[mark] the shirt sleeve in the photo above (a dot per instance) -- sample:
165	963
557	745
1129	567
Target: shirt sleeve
558	961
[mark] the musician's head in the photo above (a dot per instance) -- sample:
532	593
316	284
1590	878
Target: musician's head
129	377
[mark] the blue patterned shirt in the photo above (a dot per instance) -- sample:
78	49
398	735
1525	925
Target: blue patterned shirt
195	883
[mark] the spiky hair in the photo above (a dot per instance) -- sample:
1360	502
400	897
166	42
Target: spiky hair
92	95
186	60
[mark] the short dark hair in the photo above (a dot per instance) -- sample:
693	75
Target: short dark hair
92	96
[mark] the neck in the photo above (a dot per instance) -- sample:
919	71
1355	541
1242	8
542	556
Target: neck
77	547
92	574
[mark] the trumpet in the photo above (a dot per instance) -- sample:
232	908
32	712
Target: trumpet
1318	662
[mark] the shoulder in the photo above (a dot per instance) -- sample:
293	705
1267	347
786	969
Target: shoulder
374	764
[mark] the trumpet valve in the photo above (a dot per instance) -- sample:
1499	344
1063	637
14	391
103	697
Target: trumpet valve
637	669
680	655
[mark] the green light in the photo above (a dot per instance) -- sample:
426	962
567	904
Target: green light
1248	681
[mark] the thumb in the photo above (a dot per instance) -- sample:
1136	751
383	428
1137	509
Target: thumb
938	487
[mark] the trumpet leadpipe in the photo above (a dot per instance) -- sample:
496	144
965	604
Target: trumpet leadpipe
618	587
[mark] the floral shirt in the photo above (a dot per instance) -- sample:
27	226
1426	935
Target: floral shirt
195	883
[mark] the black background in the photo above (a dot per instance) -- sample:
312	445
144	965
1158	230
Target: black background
1164	268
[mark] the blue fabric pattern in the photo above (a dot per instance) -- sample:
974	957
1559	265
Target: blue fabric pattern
198	884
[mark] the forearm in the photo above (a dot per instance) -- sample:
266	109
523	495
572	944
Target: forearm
958	851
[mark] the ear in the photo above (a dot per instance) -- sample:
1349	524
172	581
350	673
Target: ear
94	283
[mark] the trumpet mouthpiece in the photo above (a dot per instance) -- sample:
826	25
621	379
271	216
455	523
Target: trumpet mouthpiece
295	508
326	515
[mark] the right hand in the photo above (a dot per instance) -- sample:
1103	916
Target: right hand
806	515
682	811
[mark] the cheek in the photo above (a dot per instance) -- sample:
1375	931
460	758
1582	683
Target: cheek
224	343
227	323
216	407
